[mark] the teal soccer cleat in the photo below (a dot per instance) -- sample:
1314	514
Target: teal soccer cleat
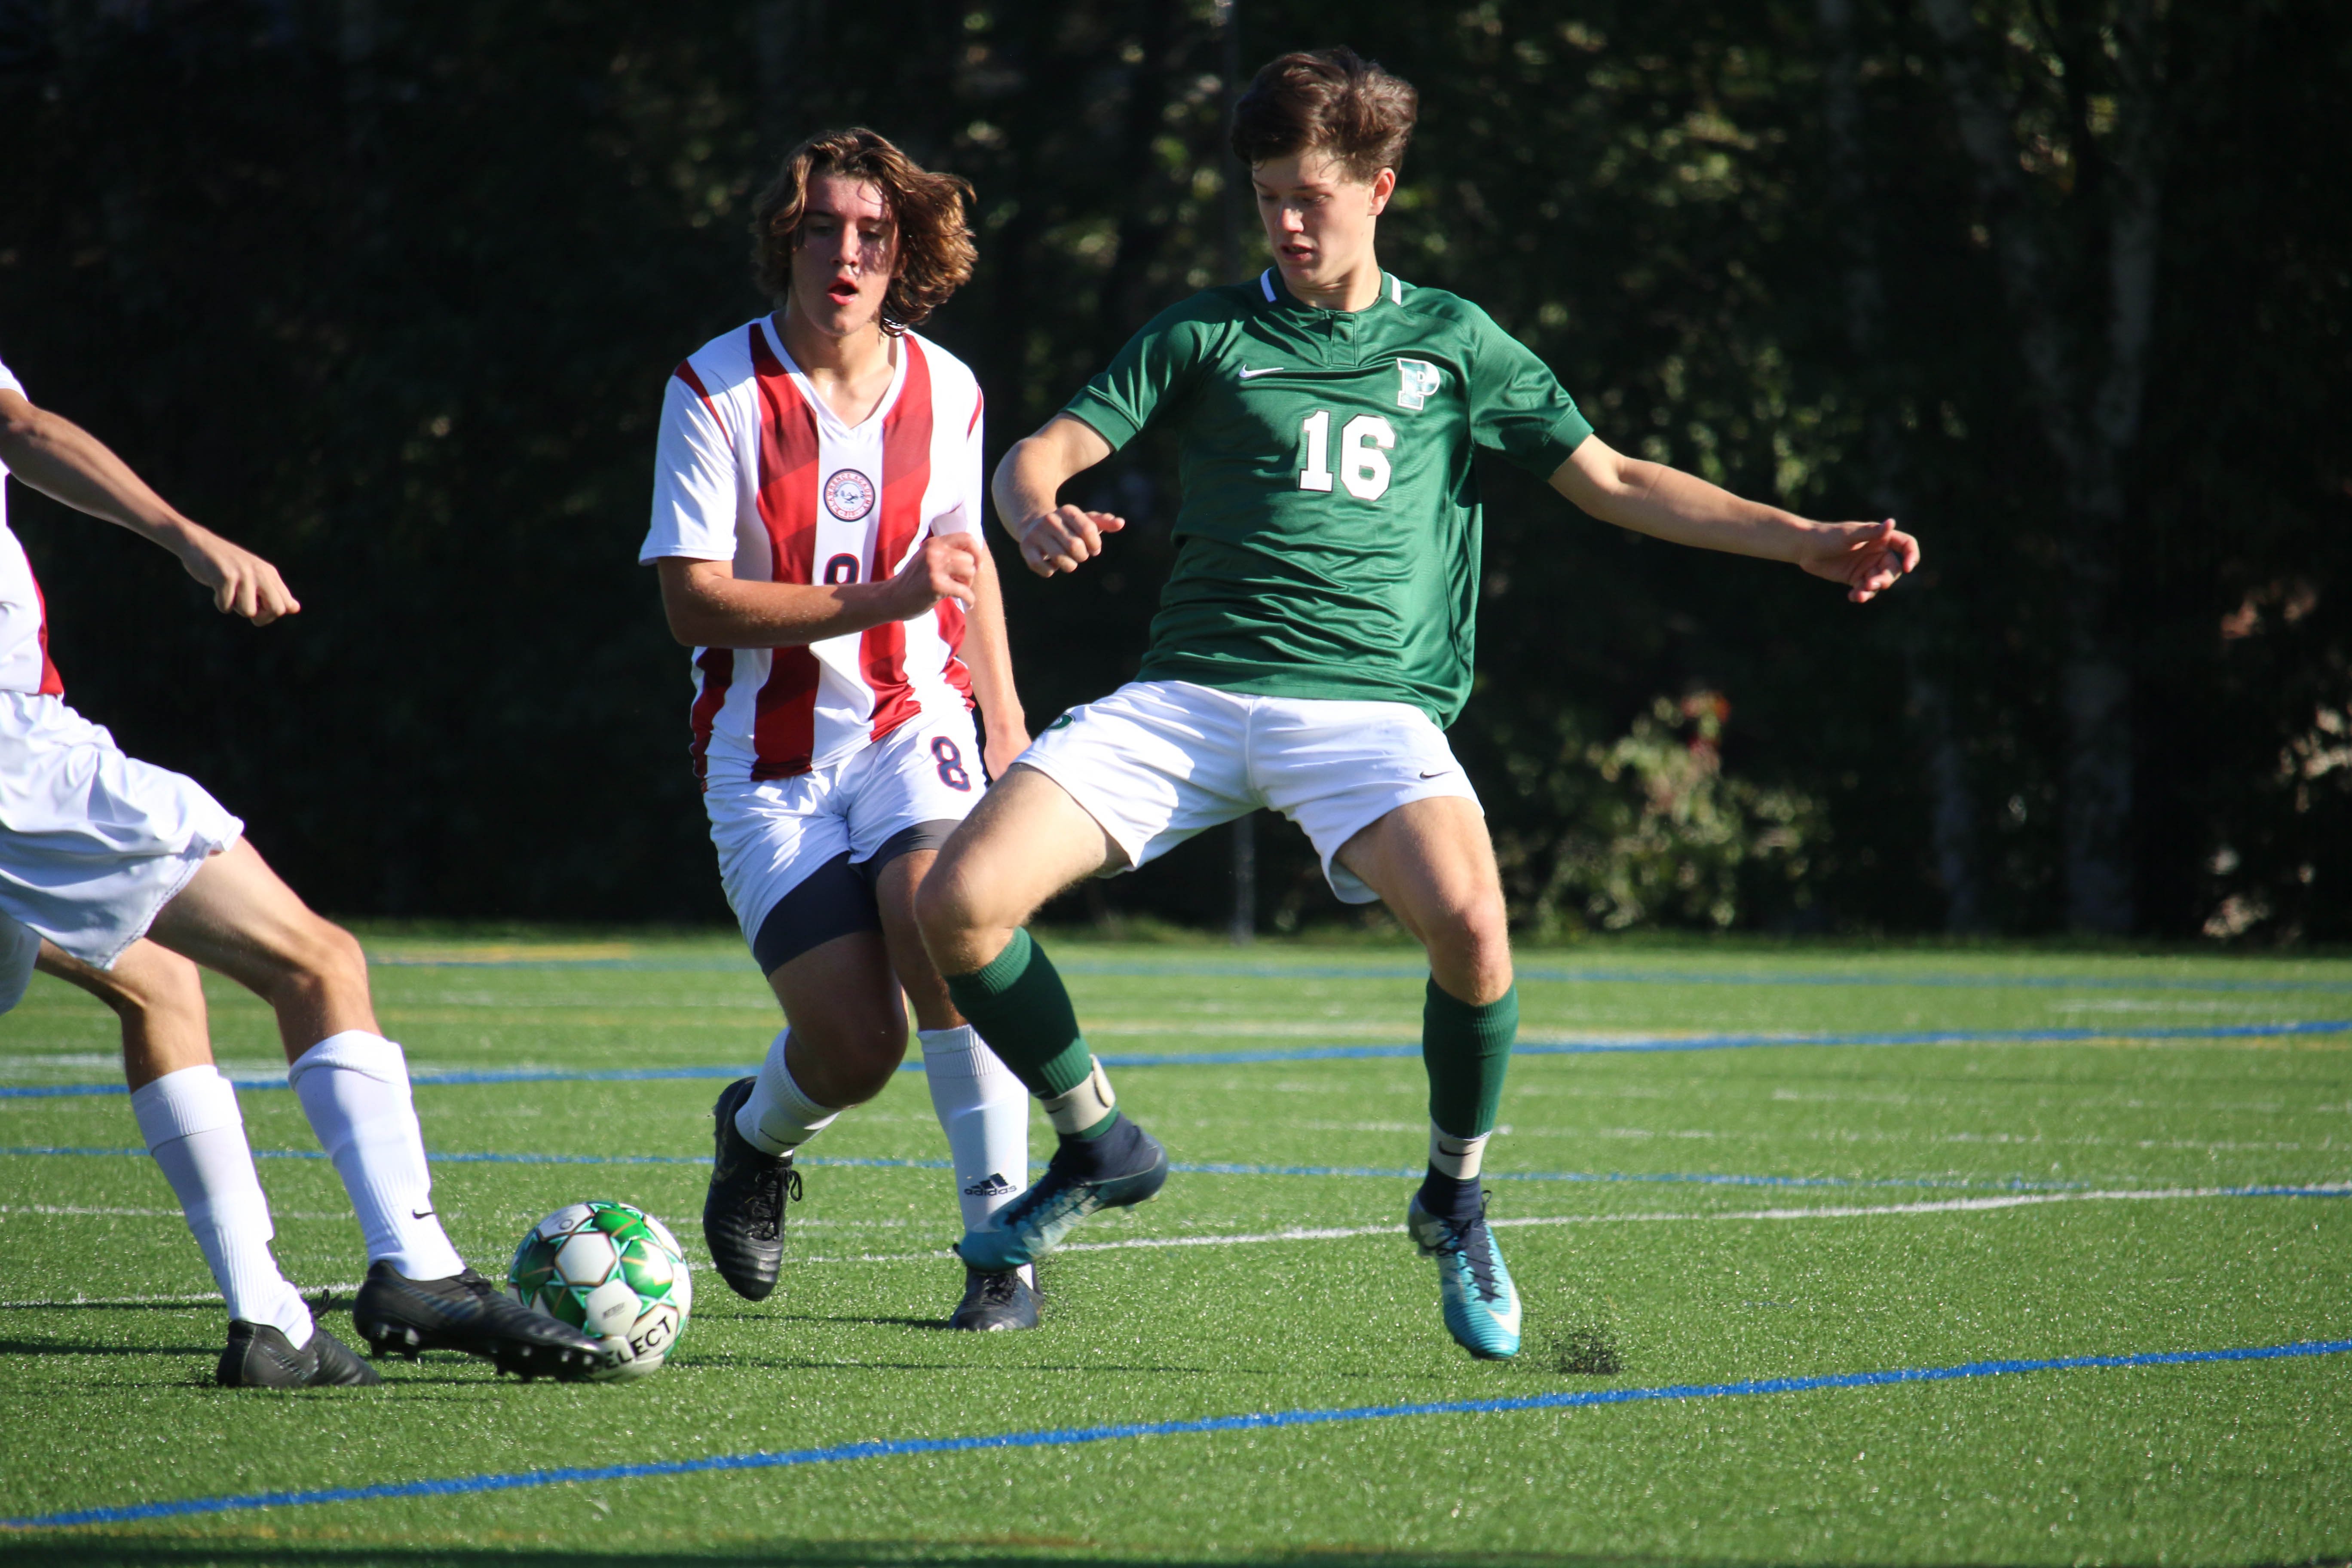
1034	1224
1482	1306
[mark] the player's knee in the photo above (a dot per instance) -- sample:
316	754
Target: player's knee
945	908
174	988
1470	948
323	956
154	983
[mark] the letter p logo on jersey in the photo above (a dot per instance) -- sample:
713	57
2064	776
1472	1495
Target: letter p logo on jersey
1417	382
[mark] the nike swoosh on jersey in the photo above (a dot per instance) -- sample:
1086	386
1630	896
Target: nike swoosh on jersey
1254	375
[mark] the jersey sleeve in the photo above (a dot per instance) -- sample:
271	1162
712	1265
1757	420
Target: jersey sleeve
695	488
1156	364
1517	407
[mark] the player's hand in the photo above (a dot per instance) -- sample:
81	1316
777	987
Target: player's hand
1065	538
946	568
1868	557
242	582
1003	746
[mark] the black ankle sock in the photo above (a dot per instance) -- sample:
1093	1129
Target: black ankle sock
1449	1198
1107	1152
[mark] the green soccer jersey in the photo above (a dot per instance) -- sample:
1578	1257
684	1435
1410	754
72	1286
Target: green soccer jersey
1327	542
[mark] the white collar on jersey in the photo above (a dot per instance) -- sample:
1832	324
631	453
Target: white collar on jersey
900	354
1396	286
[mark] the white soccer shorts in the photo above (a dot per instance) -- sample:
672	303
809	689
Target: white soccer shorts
1159	761
93	844
773	837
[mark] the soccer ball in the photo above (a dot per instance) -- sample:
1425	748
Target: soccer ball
612	1271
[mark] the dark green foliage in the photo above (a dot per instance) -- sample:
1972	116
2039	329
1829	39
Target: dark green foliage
395	306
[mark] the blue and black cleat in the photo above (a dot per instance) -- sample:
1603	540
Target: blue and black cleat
1482	1306
1034	1224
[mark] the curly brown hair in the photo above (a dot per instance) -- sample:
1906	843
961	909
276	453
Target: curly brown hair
1327	101
935	247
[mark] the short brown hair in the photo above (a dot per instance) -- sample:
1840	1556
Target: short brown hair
1327	101
935	248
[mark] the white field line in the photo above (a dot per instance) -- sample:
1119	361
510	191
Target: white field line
1839	1211
1342	1233
143	1214
195	1298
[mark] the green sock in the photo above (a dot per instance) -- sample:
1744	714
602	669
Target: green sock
1018	1004
1467	1050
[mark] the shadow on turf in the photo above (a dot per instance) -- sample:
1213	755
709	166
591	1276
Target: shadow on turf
213	1307
62	1347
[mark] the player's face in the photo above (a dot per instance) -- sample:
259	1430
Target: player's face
848	248
1318	217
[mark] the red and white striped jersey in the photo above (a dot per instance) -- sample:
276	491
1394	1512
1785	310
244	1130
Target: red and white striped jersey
754	468
24	620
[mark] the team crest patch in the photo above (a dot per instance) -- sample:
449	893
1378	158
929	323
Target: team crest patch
848	495
1417	382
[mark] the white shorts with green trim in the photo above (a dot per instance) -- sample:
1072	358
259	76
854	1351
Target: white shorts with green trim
93	844
1159	761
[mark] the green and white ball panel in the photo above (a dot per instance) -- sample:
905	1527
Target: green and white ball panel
611	1270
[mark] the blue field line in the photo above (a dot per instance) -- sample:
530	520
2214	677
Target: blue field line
1144	969
1382	1172
1637	1046
1072	1437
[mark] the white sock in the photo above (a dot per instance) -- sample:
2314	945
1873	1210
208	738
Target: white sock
985	1112
1457	1157
354	1089
779	1118
194	1129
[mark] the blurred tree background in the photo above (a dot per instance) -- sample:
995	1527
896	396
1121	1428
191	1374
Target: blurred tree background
388	289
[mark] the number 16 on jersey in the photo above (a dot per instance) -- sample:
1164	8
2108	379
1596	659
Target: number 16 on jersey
1364	446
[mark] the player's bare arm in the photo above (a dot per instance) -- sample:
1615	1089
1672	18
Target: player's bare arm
988	654
1666	503
1027	487
709	606
66	463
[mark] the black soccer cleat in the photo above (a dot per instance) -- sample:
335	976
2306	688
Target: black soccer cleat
743	1213
259	1356
995	1301
400	1316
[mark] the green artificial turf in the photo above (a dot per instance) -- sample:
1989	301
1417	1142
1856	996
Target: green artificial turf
1650	1277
